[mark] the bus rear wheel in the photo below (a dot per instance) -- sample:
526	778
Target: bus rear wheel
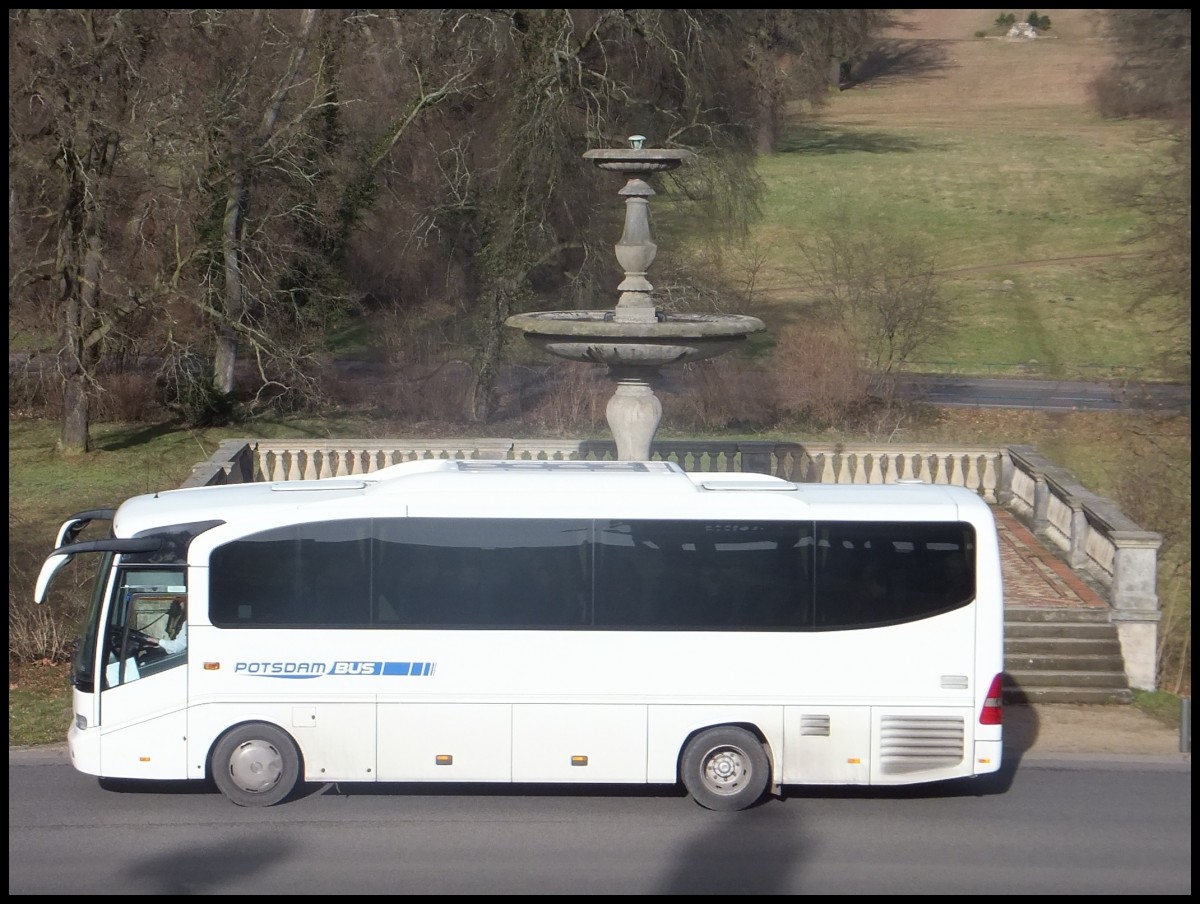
725	768
256	765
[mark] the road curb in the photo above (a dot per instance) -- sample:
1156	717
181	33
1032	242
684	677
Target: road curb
1136	762
42	755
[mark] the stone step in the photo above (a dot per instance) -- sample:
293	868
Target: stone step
1033	678
1065	662
1076	615
1063	655
1059	629
1016	695
1059	646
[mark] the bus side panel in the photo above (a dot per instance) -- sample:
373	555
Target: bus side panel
586	742
336	738
143	727
670	727
152	749
827	745
448	742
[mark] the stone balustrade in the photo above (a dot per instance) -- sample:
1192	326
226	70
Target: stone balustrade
1093	536
977	468
1099	542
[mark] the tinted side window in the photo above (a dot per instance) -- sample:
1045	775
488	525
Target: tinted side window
870	574
305	575
513	573
697	575
483	572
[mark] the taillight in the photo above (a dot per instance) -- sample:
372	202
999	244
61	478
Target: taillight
993	704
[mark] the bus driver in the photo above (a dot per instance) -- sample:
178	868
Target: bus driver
175	639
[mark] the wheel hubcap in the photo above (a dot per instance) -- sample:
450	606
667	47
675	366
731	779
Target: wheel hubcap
726	770
256	766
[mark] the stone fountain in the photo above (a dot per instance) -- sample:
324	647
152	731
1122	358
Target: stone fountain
635	339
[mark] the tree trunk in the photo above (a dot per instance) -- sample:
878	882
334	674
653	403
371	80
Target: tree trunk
766	134
73	436
82	301
225	356
480	401
73	428
226	352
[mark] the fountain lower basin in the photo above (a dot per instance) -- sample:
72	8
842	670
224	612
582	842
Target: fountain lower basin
600	337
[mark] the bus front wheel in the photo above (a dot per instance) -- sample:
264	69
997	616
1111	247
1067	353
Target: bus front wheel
256	765
725	768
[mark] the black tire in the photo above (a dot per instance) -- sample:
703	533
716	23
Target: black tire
256	765
725	768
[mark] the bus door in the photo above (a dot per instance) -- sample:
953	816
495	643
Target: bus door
142	675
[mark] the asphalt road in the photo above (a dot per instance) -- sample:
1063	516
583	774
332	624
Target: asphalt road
935	389
1087	828
1051	395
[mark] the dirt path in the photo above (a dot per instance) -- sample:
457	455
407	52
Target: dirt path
1080	728
1047	262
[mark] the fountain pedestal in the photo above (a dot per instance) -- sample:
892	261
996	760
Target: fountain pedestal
633	414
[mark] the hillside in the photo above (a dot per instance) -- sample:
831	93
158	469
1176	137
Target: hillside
931	66
989	151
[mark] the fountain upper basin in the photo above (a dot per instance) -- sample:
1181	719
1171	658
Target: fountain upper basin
641	160
601	338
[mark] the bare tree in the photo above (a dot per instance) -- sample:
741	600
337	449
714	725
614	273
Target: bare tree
794	55
1154	489
819	373
268	106
1150	79
77	155
884	289
1151	72
266	167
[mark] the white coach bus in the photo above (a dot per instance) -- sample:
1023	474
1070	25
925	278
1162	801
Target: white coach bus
574	622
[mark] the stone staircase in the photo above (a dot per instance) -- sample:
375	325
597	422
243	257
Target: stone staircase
1063	656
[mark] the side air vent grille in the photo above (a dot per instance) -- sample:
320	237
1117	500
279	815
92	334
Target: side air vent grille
910	744
813	726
